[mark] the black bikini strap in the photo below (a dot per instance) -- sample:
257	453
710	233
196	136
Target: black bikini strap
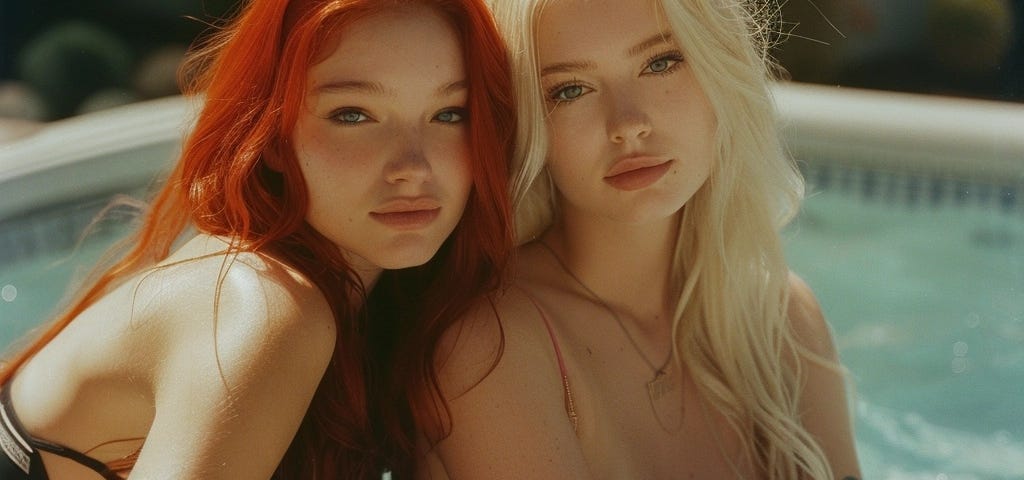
93	464
42	445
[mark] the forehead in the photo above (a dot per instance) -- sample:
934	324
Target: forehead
577	28
391	42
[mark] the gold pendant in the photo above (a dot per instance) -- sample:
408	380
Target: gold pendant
668	413
663	383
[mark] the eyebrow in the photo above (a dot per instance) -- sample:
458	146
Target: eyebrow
355	86
377	89
577	66
453	87
654	40
564	67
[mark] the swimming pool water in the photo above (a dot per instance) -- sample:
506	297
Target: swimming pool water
926	299
43	256
927	304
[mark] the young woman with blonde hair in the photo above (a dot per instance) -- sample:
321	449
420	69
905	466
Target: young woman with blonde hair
653	329
337	139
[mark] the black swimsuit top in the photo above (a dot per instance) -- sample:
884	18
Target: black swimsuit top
21	459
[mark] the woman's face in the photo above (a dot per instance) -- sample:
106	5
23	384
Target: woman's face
382	140
631	132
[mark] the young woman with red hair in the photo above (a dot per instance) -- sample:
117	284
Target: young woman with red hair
338	139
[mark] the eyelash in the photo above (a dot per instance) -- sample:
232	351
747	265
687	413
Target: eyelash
337	115
673	56
555	90
461	112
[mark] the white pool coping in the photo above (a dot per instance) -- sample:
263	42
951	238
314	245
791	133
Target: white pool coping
955	137
60	161
961	138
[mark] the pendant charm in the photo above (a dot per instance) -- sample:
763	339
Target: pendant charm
667	407
663	382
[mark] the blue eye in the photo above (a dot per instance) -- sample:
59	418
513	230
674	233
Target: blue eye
350	116
658	66
663	63
567	92
454	115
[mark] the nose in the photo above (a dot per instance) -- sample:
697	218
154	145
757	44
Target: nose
409	165
628	122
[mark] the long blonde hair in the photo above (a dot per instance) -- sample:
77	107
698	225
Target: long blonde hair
730	328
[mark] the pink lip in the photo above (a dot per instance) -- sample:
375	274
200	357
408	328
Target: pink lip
408	213
634	173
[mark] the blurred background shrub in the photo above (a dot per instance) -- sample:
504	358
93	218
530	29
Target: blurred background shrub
64	57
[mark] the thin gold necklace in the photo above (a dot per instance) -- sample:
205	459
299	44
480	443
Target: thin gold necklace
664	381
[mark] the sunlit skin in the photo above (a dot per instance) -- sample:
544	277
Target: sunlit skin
631	141
206	365
618	87
382	140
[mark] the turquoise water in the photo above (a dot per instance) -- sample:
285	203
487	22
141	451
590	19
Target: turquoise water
34	288
927	305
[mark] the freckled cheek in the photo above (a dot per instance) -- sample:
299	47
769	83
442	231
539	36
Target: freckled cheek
342	161
452	165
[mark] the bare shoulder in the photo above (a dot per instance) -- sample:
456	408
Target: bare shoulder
504	395
825	410
220	323
501	329
250	309
807	320
244	343
498	327
200	304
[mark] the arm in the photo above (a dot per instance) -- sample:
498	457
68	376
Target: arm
230	391
823	401
509	422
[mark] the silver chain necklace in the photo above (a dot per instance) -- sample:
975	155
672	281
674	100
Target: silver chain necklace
664	381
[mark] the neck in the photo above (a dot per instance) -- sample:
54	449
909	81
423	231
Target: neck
627	265
367	272
368	277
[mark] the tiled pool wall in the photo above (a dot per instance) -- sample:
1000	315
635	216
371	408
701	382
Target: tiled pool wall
55	182
915	189
907	151
59	228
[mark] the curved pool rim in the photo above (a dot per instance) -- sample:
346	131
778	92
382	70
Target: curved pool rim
59	161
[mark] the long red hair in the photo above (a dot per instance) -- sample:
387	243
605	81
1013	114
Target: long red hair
238	177
412	308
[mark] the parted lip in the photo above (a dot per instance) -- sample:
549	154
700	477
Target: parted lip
630	163
408	204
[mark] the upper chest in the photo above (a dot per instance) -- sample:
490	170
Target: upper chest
634	422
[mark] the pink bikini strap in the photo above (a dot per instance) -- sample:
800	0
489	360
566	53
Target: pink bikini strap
570	404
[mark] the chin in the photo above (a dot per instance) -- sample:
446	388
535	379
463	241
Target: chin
406	257
644	214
